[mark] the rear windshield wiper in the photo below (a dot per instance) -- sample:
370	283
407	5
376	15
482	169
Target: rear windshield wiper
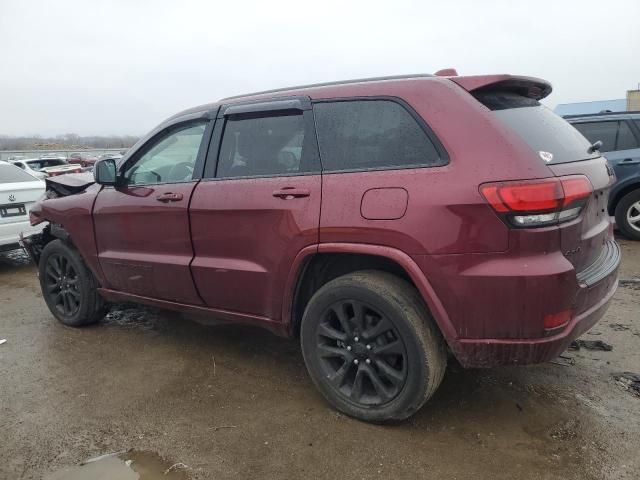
595	146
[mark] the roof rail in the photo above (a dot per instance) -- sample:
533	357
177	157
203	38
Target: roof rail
602	114
328	84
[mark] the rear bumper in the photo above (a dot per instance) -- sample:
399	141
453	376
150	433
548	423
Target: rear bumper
475	353
496	303
10	233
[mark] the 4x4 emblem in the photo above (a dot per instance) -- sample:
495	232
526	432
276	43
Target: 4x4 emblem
12	198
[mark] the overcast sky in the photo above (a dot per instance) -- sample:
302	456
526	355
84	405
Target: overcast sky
120	67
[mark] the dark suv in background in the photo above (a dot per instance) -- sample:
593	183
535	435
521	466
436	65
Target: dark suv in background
620	137
386	222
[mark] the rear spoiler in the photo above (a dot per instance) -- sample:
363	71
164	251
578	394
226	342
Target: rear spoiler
530	87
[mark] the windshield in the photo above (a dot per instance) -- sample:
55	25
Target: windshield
544	131
12	174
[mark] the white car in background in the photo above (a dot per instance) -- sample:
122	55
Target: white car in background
46	167
19	190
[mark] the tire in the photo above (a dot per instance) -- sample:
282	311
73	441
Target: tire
68	286
629	206
381	369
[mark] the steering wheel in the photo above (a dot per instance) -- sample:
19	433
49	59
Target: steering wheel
180	172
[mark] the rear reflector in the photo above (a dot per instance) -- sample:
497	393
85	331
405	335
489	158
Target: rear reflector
555	320
532	203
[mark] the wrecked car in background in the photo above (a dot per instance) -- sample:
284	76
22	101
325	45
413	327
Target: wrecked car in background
386	222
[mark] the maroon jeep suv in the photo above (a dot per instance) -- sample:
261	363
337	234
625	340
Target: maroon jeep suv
388	223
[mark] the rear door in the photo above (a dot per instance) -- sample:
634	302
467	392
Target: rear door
257	207
142	226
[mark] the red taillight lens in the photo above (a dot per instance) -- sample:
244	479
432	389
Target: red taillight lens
34	219
555	320
538	202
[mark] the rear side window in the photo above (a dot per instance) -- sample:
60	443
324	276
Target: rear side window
371	134
266	146
544	131
614	135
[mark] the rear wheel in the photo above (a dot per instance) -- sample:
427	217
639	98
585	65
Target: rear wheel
628	215
68	286
371	347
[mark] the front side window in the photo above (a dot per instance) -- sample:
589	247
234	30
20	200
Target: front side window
371	134
171	159
264	146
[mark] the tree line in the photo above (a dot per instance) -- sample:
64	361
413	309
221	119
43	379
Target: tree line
65	141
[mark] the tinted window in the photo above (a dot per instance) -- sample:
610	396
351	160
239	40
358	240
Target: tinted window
603	131
539	127
170	159
38	164
625	140
11	174
264	146
371	134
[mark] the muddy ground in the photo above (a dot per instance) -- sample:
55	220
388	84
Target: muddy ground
229	402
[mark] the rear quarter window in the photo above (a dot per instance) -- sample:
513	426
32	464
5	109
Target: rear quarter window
371	135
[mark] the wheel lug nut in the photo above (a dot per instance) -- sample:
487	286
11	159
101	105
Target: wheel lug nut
349	347
368	347
356	361
356	339
368	361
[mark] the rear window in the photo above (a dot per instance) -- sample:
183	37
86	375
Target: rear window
370	135
544	131
12	174
38	164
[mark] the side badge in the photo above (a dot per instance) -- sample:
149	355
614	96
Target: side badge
546	156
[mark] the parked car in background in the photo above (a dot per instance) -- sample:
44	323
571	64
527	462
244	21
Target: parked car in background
46	167
19	190
115	156
385	222
620	137
82	159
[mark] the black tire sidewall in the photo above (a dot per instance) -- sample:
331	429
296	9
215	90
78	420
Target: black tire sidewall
621	214
86	285
417	370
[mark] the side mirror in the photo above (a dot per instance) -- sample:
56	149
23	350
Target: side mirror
105	171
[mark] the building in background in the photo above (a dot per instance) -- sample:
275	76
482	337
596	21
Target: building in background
629	104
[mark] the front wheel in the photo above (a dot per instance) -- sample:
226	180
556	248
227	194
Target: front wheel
371	347
68	286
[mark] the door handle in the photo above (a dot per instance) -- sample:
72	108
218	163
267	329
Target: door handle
169	197
629	161
287	193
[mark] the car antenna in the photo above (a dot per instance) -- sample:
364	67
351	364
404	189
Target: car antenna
597	145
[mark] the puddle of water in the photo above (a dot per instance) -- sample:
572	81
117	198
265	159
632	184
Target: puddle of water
132	465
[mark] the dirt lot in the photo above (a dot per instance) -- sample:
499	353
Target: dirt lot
226	401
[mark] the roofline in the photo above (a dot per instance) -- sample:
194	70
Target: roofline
595	101
328	84
601	114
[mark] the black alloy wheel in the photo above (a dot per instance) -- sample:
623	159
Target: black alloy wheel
361	353
61	285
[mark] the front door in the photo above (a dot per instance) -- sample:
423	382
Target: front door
257	209
142	226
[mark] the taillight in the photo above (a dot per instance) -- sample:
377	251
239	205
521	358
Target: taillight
34	218
536	203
